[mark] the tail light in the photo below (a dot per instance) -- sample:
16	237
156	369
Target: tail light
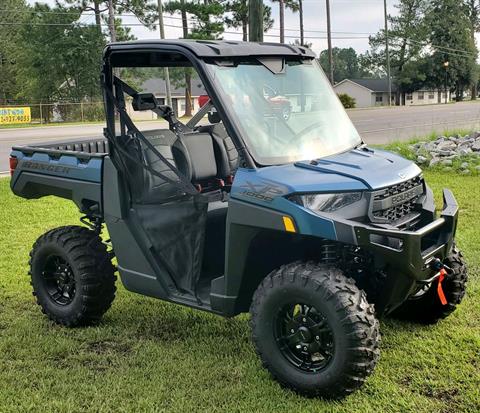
13	164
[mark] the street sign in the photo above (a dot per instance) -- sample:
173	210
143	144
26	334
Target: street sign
15	115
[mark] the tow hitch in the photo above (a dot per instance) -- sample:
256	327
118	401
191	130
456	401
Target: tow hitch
443	271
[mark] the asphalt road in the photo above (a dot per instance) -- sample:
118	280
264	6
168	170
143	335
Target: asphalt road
376	126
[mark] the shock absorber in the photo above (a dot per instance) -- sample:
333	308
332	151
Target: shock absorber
328	252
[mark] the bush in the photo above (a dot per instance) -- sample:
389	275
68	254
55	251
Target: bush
347	101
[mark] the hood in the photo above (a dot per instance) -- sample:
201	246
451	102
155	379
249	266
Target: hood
374	168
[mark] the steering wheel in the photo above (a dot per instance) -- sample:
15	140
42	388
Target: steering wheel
308	129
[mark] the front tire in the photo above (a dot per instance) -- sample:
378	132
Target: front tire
314	330
428	309
72	276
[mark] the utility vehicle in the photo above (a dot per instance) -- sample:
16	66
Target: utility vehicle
292	218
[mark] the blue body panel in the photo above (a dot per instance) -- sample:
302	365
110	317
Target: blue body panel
356	170
67	166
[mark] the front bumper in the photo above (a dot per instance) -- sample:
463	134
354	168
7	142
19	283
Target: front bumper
416	249
408	254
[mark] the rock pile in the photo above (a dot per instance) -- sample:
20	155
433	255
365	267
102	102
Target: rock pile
444	150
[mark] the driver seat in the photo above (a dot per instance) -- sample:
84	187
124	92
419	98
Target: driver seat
226	155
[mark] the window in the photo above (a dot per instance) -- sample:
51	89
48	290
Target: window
276	131
409	96
421	95
379	98
431	95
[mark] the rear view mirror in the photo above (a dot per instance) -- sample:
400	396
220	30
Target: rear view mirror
144	101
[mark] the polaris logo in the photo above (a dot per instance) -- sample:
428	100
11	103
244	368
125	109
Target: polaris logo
407	195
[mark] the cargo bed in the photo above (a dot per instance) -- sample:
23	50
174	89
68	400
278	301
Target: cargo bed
71	170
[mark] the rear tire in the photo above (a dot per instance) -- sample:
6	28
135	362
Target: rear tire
72	276
331	337
428	309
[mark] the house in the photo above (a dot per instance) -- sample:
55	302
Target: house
374	92
158	88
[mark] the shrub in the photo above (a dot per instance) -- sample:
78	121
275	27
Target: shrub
347	101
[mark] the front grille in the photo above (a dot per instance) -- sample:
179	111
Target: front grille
398	188
396	202
395	213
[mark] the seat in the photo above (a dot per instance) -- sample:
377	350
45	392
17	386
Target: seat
194	154
226	154
146	187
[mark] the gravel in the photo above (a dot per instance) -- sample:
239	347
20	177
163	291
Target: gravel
446	149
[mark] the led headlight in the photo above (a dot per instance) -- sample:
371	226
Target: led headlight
326	202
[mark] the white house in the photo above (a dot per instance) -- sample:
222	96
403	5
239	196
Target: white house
157	87
374	92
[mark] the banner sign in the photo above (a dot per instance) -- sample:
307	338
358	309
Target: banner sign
15	115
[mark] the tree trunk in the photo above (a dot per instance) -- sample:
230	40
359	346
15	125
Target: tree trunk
188	76
245	30
255	20
98	20
184	19
188	93
111	22
282	21
300	12
473	29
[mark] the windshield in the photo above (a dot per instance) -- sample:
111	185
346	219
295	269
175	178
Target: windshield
286	113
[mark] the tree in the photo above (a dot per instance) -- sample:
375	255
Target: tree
347	64
282	5
58	59
237	16
144	10
297	42
451	41
473	12
9	43
207	24
407	40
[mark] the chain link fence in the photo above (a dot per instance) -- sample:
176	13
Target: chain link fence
64	112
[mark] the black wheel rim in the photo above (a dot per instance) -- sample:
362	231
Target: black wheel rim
59	280
304	337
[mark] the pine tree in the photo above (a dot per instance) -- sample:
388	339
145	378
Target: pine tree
237	16
451	41
206	24
282	5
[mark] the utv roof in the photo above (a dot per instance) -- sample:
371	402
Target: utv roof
215	48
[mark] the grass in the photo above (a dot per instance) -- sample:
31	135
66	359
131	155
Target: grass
147	355
41	125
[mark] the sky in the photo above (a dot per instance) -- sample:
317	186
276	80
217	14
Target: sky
348	18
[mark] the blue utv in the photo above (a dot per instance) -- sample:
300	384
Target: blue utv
244	208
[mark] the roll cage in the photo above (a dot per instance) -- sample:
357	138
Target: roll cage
181	53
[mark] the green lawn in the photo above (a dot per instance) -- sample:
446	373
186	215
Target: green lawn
147	355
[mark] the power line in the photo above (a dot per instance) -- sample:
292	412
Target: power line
173	26
344	35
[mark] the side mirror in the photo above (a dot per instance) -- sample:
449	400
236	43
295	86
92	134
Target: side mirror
144	101
214	117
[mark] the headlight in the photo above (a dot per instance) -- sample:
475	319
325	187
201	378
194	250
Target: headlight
326	202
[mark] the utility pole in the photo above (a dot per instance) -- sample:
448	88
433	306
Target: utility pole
387	51
330	50
255	20
111	22
162	36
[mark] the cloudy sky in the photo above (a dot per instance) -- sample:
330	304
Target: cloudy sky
352	21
